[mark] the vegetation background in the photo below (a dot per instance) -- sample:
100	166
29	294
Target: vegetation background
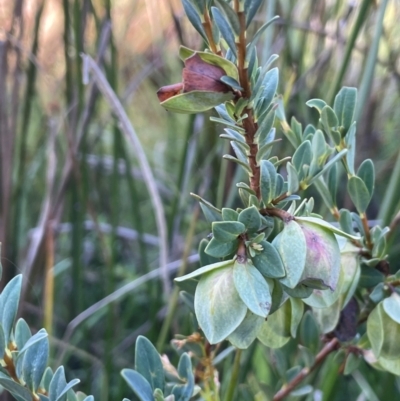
75	214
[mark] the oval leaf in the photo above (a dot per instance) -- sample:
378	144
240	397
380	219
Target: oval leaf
252	288
219	309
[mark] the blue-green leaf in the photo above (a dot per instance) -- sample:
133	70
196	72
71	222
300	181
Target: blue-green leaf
247	332
148	363
252	288
219	309
184	392
9	301
138	384
291	246
35	362
58	387
227	231
18	391
205	269
359	193
344	106
230	15
251	219
268	177
366	172
221	249
268	261
194	18
250	8
224	28
317	103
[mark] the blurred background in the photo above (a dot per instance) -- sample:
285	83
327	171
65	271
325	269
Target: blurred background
76	216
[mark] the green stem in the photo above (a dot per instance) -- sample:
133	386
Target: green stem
173	301
235	374
368	75
349	48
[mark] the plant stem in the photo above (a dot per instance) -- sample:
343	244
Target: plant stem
235	373
289	387
365	224
208	30
248	123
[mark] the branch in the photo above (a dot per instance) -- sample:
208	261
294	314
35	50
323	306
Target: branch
289	387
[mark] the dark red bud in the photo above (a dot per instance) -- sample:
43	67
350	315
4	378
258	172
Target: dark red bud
198	75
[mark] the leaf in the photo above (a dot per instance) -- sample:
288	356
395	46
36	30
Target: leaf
240	150
251	219
333	182
250	8
231	82
241	163
330	123
359	193
366	172
344	106
328	165
302	157
322	265
196	101
194	18
346	222
317	103
183	392
275	332
375	330
291	246
148	363
221	249
297	310
252	288
211	213
22	333
270	84
46	378
247	331
327	318
268	177
205	269
3	344
268	261
350	141
224	28
231	16
326	298
59	387
264	132
260	31
18	391
35	362
300	291
309	333
138	384
9	301
323	190
293	179
391	306
329	226
219	309
227	231
233	135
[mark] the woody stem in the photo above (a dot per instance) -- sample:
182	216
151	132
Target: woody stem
248	123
